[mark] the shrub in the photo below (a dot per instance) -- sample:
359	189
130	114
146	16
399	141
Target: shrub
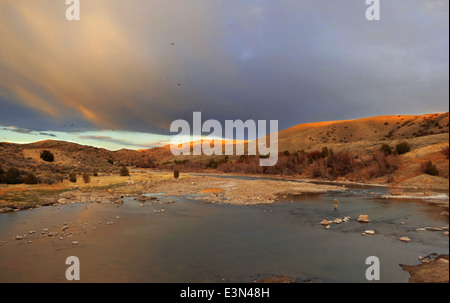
86	178
30	179
342	163
430	169
386	149
47	156
325	152
176	173
212	164
73	177
12	176
444	151
320	170
286	153
385	164
403	148
314	156
124	171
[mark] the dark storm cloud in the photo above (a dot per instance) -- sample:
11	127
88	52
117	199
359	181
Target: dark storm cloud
295	61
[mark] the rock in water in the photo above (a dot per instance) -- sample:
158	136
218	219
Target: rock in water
325	222
363	219
405	239
370	232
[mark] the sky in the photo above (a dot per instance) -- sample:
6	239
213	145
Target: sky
119	76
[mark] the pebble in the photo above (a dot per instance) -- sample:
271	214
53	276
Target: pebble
75	243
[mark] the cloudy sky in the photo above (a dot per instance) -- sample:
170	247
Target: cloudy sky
114	79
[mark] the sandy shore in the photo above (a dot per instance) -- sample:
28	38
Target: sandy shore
209	189
239	192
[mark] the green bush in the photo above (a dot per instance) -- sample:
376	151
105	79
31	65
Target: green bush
47	156
176	173
403	148
73	177
124	171
430	169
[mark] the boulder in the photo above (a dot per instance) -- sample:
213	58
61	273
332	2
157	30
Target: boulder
363	219
370	232
325	222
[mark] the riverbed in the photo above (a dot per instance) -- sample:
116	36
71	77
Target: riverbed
178	239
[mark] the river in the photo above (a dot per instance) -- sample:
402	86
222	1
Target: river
192	241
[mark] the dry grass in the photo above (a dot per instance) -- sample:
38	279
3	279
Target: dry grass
26	194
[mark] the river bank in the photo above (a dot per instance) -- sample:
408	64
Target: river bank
220	188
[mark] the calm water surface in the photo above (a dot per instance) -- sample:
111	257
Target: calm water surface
195	242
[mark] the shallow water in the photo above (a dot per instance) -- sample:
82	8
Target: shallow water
195	242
